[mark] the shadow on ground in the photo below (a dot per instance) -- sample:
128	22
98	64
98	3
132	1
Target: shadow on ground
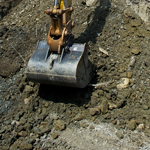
75	96
95	27
66	95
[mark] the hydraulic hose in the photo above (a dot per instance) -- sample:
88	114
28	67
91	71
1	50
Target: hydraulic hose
55	3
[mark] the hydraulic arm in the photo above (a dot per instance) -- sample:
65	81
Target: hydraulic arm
62	25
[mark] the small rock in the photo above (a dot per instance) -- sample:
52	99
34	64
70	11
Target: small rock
55	136
13	97
95	94
44	129
103	51
119	134
2	130
112	106
91	127
44	123
132	63
56	118
93	101
31	84
46	104
59	125
31	134
7	122
121	70
26	146
22	121
147	132
94	111
127	13
133	29
27	126
89	2
35	130
23	134
124	84
121	103
136	51
129	74
126	93
104	107
108	96
140	127
28	89
14	122
131	124
114	121
19	115
78	117
117	122
26	101
44	110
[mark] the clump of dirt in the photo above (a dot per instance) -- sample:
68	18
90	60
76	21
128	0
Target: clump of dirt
118	42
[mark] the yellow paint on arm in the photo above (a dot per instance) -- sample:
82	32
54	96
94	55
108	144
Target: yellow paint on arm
61	3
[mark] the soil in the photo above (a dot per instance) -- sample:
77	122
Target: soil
6	5
113	115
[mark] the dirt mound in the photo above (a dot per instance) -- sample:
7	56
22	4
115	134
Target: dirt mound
118	42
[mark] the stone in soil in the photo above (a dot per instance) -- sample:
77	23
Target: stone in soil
26	101
23	134
45	129
136	51
59	125
55	135
94	111
124	83
119	134
131	124
22	121
104	107
89	2
78	117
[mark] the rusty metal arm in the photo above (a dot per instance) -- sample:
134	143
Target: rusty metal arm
60	29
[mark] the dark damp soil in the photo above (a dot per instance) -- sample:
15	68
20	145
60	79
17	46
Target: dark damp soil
119	49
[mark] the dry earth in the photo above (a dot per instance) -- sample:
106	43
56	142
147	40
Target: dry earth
113	115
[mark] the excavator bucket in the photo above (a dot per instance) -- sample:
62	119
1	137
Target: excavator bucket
70	68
